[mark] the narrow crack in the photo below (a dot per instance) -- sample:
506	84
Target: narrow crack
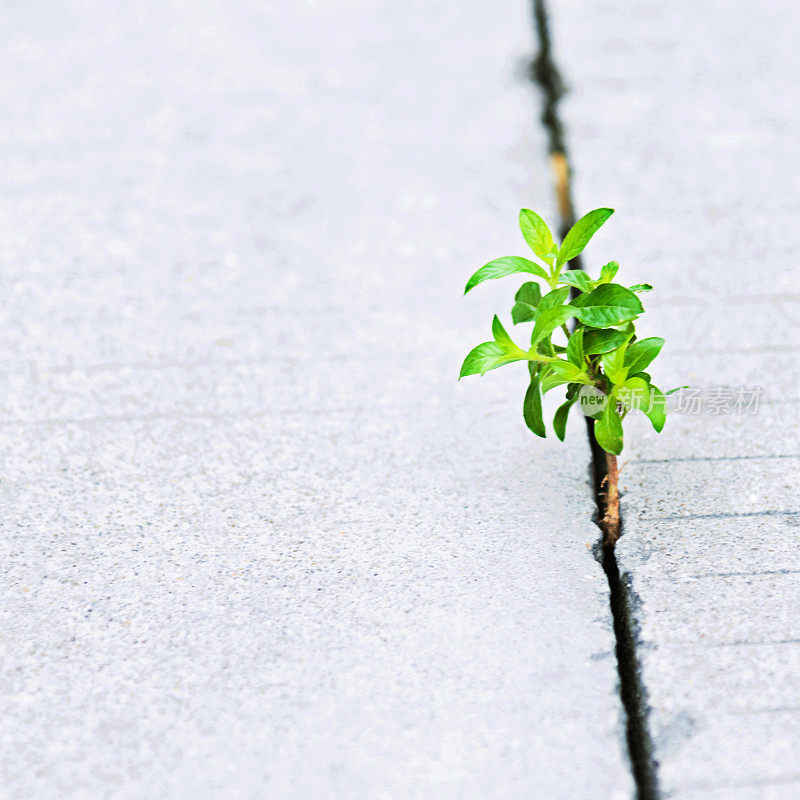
624	603
545	74
622	600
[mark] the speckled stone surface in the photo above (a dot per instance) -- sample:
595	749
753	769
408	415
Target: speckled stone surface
683	117
257	542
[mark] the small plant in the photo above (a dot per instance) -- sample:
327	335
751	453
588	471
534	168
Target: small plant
599	359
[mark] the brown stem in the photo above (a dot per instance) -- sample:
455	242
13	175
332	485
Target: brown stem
561	169
611	526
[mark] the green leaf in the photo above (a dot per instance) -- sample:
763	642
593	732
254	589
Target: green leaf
634	393
548	320
554	298
530	292
501	337
527	300
608	430
641	353
641	287
560	419
486	356
543	348
501	267
657	410
608	272
577	278
532	408
575	351
522	312
536	233
601	341
550	381
560	372
609	304
676	389
580	234
614	365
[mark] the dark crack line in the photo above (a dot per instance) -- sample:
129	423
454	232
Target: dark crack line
722	515
681	459
545	74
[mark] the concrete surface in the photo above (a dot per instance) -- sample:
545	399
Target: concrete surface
684	118
257	541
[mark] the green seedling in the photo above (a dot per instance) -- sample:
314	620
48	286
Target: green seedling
598	359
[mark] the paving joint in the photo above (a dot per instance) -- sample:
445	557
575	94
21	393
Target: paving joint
544	73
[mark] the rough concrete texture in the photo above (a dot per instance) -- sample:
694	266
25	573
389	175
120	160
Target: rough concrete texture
257	540
684	118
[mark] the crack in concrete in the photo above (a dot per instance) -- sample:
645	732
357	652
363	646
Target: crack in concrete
622	600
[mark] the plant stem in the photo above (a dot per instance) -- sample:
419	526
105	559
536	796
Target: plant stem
611	524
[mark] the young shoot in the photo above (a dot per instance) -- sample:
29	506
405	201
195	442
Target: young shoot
583	338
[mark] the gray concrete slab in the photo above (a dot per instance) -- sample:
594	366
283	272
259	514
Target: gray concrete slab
257	540
683	118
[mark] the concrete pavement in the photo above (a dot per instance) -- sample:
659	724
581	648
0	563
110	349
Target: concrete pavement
257	541
683	117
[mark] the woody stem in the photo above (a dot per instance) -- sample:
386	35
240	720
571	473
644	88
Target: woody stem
611	523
